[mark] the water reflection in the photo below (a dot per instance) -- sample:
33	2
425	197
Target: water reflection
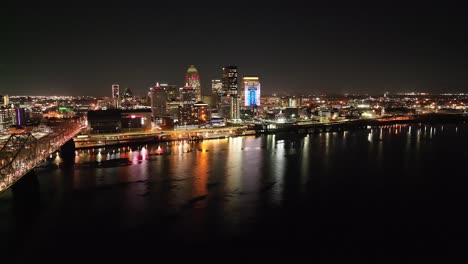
229	184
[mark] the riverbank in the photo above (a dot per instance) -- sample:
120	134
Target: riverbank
94	141
119	140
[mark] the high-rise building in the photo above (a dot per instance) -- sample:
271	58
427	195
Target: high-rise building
7	118
21	119
193	79
251	91
158	99
128	100
188	94
6	100
171	91
116	95
216	87
230	81
186	111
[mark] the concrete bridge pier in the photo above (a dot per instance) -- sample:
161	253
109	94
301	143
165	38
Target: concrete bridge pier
67	150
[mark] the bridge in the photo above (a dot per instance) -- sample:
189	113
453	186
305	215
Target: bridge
22	152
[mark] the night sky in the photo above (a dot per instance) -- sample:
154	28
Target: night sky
309	50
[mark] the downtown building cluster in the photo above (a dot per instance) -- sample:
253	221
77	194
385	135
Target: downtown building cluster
10	114
170	106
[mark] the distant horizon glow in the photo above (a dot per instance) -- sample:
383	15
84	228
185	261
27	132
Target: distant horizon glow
320	50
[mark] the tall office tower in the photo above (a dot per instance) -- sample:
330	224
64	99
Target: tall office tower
116	95
193	79
158	98
216	93
128	100
251	91
185	115
6	100
171	90
20	114
188	94
6	118
229	81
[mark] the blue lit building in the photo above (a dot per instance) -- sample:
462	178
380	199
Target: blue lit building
251	91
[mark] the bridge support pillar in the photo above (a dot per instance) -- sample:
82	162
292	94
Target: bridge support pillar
67	150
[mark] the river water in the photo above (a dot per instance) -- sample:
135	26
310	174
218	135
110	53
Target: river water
390	193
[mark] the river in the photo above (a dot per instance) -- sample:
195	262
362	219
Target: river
387	193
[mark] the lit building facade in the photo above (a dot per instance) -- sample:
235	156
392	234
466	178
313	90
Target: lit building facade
171	90
230	86
118	120
6	100
7	118
229	81
251	91
216	93
216	87
201	113
128	100
193	79
186	115
116	95
158	99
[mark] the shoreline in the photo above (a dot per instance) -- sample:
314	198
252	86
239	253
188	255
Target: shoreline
292	129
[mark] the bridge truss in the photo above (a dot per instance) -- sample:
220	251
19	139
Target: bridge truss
20	153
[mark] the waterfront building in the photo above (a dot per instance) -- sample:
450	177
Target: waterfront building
119	120
201	113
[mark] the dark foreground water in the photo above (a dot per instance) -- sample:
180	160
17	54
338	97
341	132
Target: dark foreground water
393	194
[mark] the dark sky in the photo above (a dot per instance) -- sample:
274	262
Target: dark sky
318	49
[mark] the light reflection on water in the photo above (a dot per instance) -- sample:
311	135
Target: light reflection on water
226	184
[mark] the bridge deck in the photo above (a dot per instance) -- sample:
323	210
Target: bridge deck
20	153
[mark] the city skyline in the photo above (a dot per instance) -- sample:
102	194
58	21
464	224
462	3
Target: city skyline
79	51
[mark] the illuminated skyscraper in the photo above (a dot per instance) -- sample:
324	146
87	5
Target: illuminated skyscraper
6	100
230	79
230	88
216	94
186	111
193	79
158	98
116	95
251	91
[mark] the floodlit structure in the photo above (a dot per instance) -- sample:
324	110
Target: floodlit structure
251	91
193	79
